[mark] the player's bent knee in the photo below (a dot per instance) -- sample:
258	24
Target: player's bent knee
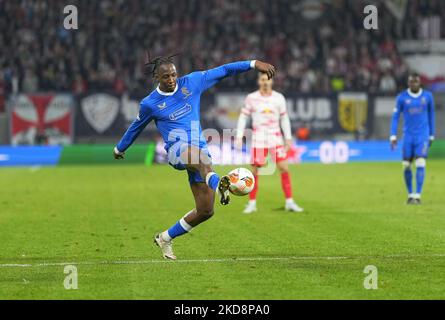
406	164
203	167
255	169
420	163
206	213
283	167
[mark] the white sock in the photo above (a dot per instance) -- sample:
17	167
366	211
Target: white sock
252	201
165	236
289	200
416	195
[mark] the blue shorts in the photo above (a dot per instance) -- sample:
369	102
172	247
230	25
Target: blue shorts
415	147
174	159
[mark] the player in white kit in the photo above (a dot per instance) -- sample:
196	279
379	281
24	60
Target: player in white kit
267	108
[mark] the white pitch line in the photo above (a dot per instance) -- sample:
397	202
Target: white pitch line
244	259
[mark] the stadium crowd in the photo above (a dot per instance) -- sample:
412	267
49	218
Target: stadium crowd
317	48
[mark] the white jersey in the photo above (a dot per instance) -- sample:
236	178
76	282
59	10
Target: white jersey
266	112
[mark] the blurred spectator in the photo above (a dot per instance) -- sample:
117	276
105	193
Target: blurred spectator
323	49
79	85
387	83
30	81
2	92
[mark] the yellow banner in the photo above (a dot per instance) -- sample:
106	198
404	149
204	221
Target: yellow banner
352	111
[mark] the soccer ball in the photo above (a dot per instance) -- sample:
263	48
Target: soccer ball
241	181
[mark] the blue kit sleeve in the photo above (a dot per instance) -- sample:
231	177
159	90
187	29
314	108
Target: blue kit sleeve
138	125
431	116
209	78
396	116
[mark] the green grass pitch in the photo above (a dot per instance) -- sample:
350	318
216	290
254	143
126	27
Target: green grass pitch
102	219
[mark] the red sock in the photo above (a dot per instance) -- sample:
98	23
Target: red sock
252	194
286	185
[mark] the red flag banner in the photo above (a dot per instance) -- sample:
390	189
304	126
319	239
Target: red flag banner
41	119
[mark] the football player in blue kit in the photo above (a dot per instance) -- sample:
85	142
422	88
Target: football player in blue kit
174	106
417	106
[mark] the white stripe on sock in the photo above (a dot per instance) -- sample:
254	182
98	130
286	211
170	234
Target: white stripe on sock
185	225
208	176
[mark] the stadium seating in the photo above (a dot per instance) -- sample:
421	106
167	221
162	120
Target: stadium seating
107	51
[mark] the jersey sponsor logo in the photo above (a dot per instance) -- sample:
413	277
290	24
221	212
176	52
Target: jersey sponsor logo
162	106
181	112
414	110
267	111
186	92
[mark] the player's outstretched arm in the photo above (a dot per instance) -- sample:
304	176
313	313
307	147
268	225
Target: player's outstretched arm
210	77
142	120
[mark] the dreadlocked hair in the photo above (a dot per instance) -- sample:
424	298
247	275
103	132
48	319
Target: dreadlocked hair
152	65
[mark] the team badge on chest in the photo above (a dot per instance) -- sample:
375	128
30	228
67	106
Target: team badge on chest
186	92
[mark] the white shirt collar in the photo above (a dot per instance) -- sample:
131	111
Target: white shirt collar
415	95
166	93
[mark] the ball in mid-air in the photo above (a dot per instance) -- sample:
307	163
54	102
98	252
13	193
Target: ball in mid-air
242	181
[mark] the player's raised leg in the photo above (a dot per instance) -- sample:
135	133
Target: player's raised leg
164	239
204	200
203	182
290	204
199	161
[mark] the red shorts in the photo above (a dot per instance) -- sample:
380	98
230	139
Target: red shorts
259	155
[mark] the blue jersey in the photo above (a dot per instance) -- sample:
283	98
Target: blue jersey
418	114
177	114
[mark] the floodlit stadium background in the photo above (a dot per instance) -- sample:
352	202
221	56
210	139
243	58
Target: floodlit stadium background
71	93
